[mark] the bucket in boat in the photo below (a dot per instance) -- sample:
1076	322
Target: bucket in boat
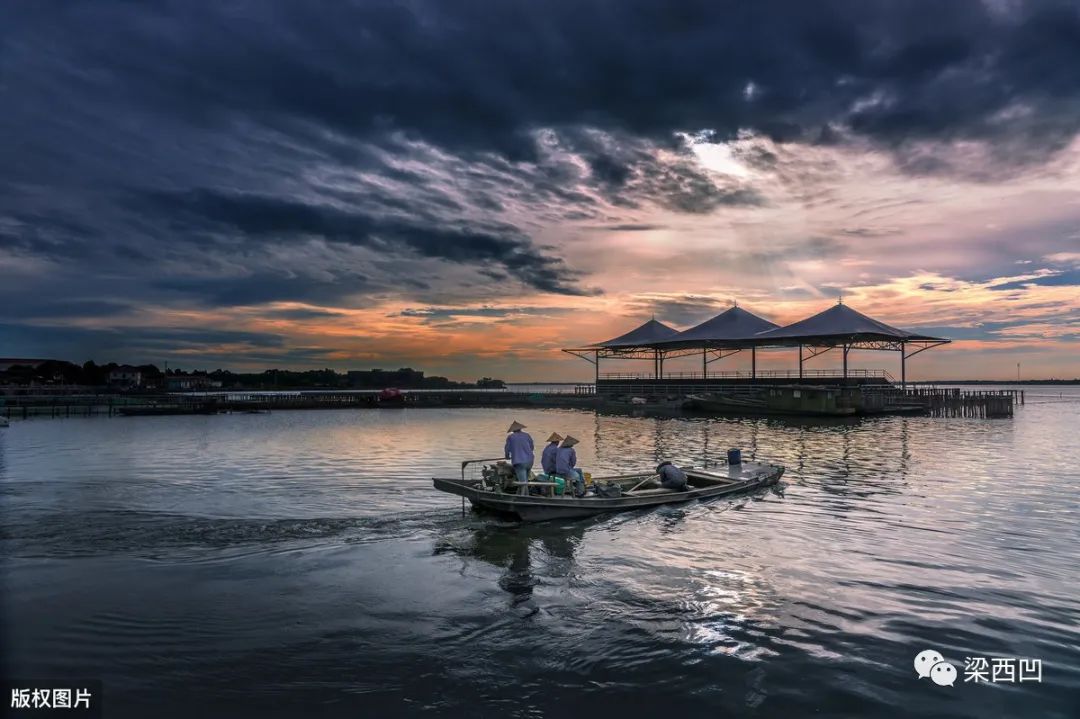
734	456
560	485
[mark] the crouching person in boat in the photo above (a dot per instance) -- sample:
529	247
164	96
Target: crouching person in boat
566	466
519	450
671	477
547	463
547	458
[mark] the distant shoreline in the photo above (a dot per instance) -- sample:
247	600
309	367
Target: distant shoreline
509	387
999	382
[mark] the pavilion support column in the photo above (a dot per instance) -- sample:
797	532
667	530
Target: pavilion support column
704	364
800	361
903	367
845	363
656	365
596	364
753	363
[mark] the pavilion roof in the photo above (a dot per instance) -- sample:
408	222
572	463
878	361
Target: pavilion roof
647	334
733	324
841	322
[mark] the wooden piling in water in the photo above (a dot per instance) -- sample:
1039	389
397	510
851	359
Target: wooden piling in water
953	402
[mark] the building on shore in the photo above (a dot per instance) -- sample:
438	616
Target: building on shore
190	383
126	377
379	378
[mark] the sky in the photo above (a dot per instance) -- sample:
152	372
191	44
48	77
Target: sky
467	187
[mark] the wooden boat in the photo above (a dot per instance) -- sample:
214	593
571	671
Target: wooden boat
640	490
391	397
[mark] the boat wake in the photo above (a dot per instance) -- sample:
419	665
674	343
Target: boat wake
166	535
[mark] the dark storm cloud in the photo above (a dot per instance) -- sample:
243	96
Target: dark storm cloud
209	358
432	315
263	287
683	189
254	133
680	312
264	216
131	343
301	313
14	306
628	227
478	76
627	172
50	236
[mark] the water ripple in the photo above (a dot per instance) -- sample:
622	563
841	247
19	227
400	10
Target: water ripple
303	554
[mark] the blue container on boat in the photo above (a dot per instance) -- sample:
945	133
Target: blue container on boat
734	456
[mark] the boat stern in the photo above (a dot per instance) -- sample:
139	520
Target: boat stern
461	487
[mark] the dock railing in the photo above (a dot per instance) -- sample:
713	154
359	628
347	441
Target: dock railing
807	374
933	400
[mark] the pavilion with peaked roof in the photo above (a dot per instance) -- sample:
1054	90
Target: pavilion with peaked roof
647	334
638	343
841	327
730	332
736	329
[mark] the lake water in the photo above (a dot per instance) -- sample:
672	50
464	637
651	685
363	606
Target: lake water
300	563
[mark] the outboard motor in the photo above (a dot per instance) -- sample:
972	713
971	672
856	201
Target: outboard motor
500	476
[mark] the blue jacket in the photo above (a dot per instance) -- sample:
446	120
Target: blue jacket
672	477
519	448
565	461
547	459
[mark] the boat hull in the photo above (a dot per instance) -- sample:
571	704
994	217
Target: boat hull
741	478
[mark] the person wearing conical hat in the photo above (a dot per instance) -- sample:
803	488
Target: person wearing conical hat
519	450
547	459
566	465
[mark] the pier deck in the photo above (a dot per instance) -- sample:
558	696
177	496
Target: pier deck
869	398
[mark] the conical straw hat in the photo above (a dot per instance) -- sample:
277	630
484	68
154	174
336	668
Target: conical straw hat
555	437
569	441
515	426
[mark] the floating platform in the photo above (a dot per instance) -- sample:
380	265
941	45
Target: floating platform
786	399
647	397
